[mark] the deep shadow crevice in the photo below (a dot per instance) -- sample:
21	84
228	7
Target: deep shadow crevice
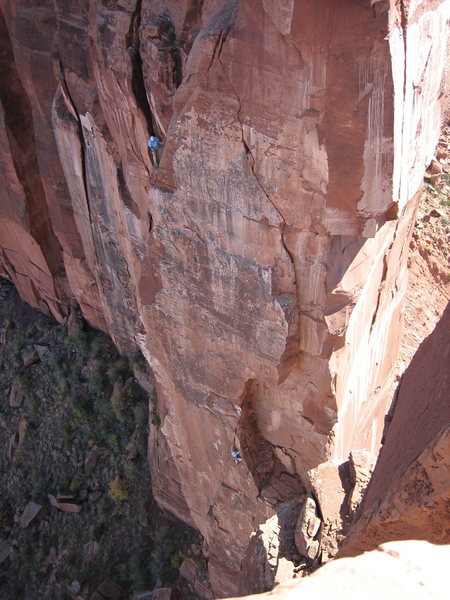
137	78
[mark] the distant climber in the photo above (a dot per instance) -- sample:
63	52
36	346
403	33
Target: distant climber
153	144
236	456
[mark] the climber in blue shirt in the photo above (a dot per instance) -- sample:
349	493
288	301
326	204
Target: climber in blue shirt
153	144
236	456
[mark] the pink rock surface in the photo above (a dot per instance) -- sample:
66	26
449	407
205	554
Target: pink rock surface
361	465
409	492
261	269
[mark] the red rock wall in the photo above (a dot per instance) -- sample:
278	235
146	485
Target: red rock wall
409	493
261	268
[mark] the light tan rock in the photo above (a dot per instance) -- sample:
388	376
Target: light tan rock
409	491
285	570
361	465
16	395
330	482
271	555
409	569
435	168
30	512
69	507
307	528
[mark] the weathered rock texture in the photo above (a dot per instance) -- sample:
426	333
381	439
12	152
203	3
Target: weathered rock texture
415	570
261	269
409	493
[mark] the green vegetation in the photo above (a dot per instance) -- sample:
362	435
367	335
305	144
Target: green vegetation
118	489
80	435
110	3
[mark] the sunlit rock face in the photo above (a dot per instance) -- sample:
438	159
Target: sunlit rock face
410	569
409	493
261	268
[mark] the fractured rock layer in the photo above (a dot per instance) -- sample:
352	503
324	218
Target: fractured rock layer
261	268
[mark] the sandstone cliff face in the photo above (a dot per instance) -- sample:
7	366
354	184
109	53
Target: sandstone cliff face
261	268
409	493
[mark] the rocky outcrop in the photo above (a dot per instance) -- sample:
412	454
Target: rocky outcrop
361	465
308	526
409	492
272	556
261	268
413	569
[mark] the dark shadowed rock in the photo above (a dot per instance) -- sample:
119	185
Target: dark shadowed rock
30	357
5	550
108	590
16	394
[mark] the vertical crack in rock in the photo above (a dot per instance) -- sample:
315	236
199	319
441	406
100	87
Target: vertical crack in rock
66	91
249	153
380	291
283	372
404	28
385	270
137	78
216	55
125	192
